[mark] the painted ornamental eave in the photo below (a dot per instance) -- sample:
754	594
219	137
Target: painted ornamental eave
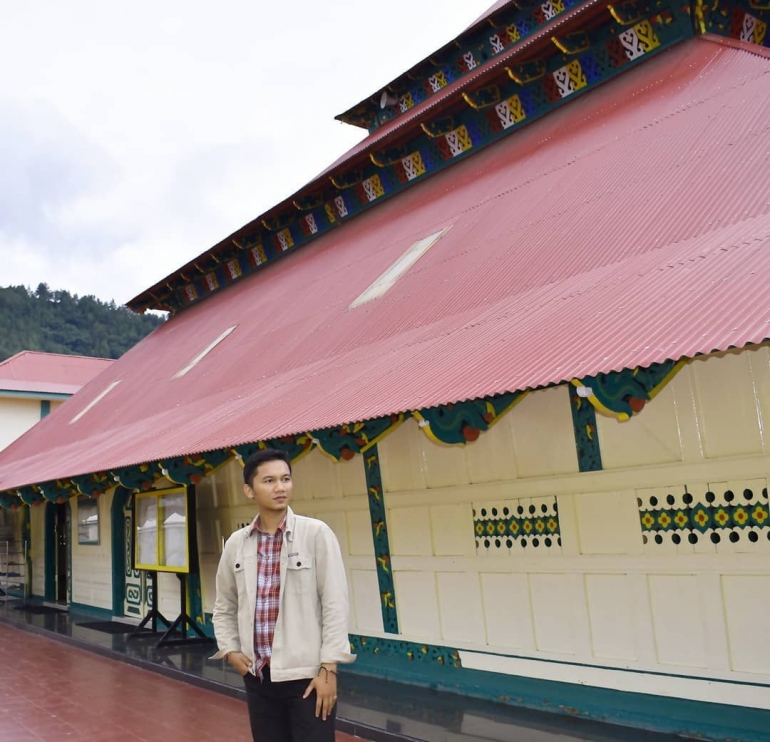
569	54
326	201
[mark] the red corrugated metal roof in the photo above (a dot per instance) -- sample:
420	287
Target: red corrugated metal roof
49	373
631	226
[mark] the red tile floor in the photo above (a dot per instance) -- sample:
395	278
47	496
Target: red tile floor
52	692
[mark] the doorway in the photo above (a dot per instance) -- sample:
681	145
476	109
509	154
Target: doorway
58	573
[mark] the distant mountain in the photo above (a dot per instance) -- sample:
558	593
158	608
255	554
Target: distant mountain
60	322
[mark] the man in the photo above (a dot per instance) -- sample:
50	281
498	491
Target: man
281	610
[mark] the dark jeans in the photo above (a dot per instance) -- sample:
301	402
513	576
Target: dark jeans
278	713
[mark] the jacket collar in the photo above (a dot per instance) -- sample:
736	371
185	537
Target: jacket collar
289	527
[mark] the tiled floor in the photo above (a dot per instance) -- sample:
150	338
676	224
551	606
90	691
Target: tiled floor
52	692
106	690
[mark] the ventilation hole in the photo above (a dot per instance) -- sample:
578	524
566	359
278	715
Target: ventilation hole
676	538
748	494
497	543
486	543
710	497
638	502
687	498
532	509
520	510
670	499
658	538
729	496
753	537
693	538
644	539
715	538
734	537
506	511
524	542
544	508
509	543
548	542
653	501
483	512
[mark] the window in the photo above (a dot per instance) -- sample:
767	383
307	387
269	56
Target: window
401	266
88	521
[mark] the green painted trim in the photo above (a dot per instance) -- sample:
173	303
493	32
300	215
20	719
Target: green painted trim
33	395
665	714
91	610
117	552
49	551
376	495
45	408
589	452
194	605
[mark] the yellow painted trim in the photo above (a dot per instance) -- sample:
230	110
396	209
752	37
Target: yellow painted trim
623	416
428	432
513	76
374	160
670	375
467	99
429	133
371	443
561	46
158	494
700	16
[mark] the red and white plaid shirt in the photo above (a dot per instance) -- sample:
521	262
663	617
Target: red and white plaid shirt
268	591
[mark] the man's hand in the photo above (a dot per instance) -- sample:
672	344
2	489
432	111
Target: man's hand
325	687
239	662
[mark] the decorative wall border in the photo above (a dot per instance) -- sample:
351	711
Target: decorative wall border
517	524
515	96
428	654
723	516
381	541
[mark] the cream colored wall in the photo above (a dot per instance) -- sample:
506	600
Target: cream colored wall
16	417
221	509
602	598
92	563
37	549
597	604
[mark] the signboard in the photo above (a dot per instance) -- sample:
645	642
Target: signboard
162	540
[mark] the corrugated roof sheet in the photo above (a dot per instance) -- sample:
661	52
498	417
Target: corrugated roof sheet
49	373
626	228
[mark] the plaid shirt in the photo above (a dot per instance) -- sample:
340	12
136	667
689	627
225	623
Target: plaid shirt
268	591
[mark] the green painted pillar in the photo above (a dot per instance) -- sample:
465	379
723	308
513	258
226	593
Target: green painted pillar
381	541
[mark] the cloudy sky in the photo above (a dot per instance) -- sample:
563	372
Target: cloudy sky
135	135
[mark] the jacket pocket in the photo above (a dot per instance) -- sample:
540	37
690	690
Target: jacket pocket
300	574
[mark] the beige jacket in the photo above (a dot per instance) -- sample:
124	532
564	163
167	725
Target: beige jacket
312	624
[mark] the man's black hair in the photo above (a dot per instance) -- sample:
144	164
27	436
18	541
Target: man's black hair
261	457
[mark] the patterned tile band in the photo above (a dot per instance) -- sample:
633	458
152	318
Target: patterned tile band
418	653
516	525
719	517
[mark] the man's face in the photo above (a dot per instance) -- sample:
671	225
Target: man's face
271	487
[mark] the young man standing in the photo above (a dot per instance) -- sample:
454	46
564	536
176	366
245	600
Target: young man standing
281	610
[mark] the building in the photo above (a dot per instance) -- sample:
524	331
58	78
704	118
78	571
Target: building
516	344
32	384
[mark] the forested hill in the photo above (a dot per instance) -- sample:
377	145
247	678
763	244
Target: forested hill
59	322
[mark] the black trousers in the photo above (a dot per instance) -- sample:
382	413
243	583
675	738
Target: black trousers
278	713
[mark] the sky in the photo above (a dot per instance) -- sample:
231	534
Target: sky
136	135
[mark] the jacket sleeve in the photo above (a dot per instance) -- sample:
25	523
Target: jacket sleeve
225	616
333	594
